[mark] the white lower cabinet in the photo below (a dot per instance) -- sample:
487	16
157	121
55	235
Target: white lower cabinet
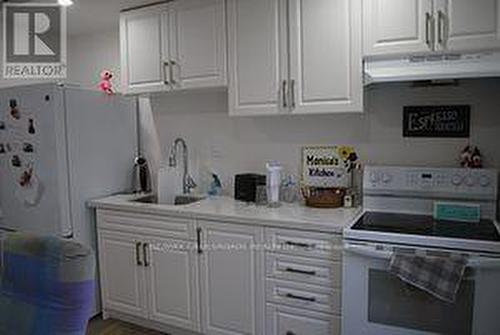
283	320
303	283
122	279
215	278
150	277
172	282
232	279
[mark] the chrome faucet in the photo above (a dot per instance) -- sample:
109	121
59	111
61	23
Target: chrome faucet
187	181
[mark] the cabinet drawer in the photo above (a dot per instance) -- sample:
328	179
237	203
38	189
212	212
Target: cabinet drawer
309	297
146	224
304	270
306	244
283	320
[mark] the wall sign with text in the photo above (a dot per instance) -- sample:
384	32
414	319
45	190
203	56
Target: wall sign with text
436	121
328	166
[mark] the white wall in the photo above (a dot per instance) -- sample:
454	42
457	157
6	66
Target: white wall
233	145
88	55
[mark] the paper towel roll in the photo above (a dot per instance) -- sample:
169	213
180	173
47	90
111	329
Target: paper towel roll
169	184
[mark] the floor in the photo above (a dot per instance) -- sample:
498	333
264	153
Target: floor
97	326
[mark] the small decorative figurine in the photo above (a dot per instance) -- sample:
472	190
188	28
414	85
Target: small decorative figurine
105	84
470	157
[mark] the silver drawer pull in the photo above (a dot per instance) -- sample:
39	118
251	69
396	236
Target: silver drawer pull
302	272
171	71
145	247
298	297
284	94
300	245
138	253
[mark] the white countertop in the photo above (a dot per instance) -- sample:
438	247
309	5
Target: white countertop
294	216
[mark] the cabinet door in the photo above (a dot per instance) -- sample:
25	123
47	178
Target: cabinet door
464	25
258	69
397	26
172	277
143	46
282	320
232	279
325	56
198	44
122	275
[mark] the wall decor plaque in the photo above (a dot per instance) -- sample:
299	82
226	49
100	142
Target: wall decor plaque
437	121
327	166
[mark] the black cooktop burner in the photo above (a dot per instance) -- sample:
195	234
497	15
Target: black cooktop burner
426	226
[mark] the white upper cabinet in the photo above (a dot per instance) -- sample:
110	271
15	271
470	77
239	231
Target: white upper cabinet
294	57
397	26
257	57
142	50
464	25
325	56
426	26
177	45
198	43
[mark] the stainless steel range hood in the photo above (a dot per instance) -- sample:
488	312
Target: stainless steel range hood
432	67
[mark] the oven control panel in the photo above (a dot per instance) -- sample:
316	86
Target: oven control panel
440	181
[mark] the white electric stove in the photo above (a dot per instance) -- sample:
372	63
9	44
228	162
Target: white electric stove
397	216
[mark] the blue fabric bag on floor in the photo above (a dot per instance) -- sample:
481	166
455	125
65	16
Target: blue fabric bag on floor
47	286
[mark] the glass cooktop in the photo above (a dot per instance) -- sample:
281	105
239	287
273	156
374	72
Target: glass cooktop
484	230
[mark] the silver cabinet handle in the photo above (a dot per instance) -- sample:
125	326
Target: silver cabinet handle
138	253
300	245
429	39
441	28
292	93
171	71
301	298
145	247
302	272
198	241
284	94
166	72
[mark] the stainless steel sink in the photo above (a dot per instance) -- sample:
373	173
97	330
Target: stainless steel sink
178	201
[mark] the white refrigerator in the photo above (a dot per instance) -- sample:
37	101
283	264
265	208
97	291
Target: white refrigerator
59	147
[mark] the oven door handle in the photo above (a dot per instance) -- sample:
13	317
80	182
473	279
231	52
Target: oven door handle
368	251
373	252
483	263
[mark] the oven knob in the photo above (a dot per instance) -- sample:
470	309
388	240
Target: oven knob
386	178
469	181
374	177
484	181
457	180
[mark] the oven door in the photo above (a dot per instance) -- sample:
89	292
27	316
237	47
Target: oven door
375	302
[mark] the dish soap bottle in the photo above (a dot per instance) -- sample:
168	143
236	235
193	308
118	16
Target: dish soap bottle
215	188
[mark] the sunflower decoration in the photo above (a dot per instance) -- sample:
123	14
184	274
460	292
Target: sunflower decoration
348	155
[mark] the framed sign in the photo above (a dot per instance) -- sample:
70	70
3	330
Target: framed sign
328	166
436	121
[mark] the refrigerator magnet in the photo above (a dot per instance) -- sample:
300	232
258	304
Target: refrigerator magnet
16	161
3	150
28	148
31	126
14	111
2	125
